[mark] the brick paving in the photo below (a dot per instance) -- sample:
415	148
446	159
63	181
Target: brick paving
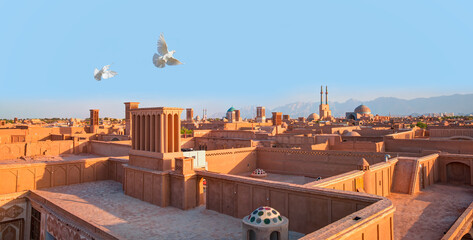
105	204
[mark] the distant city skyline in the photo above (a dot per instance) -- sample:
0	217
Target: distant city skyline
278	53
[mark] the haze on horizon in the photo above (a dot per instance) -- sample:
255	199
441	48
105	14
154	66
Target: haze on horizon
235	54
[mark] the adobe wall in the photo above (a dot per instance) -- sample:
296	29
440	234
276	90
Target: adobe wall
446	158
34	134
370	132
358	146
113	137
320	146
111	149
378	180
376	222
419	145
231	134
401	135
148	185
14	216
16	150
412	174
211	143
427	172
312	163
404	175
462	226
450	132
116	171
232	161
247	125
22	177
308	209
188	142
363	138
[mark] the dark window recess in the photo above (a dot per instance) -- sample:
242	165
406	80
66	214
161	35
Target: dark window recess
35	224
356	218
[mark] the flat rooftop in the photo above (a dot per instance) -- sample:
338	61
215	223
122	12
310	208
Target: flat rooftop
103	203
430	213
286	178
48	159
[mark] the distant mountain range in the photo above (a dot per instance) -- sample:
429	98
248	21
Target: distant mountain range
459	104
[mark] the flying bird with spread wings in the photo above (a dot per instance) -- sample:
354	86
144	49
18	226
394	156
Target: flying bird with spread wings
104	73
165	56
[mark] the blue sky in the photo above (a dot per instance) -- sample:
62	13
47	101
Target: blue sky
241	53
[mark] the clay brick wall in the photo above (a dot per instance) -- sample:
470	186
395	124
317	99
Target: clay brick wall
447	158
14	219
231	161
312	163
110	149
116	170
402	135
462	226
16	150
419	145
22	177
148	185
451	132
369	132
358	146
221	143
188	142
315	209
427	172
377	181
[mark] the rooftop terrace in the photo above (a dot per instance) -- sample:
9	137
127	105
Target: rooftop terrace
430	213
104	203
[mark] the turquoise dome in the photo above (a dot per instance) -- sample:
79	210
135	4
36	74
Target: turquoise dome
231	109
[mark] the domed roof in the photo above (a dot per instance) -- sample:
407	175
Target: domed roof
231	109
313	116
362	109
353	134
264	216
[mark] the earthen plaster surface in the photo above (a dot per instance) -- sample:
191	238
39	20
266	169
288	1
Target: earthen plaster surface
104	203
46	159
294	179
430	213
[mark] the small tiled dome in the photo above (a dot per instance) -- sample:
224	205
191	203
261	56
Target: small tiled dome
259	171
264	216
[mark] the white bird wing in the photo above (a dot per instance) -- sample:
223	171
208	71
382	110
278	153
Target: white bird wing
97	74
158	61
108	74
105	68
162	46
172	61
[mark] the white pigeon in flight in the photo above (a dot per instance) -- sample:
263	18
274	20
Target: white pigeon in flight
165	56
104	73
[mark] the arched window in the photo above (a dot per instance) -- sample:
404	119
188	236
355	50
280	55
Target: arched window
274	235
251	235
466	236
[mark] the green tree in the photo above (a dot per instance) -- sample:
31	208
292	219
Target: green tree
421	125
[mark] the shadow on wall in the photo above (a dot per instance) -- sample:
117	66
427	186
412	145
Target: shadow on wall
458	173
232	161
16	178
